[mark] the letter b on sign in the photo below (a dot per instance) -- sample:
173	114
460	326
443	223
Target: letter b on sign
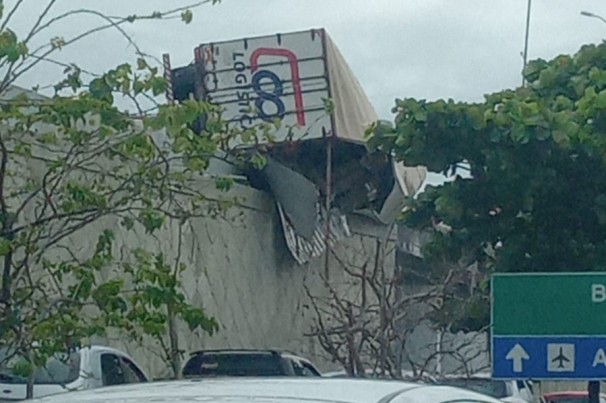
598	293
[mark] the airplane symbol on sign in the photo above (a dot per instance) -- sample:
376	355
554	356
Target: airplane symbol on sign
561	358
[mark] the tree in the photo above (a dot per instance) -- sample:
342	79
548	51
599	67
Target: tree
364	319
73	164
533	197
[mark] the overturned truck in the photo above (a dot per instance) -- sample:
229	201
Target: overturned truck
318	168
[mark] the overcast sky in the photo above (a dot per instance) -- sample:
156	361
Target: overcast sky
428	49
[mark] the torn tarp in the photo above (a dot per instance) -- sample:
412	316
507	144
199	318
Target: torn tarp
303	249
296	195
302	216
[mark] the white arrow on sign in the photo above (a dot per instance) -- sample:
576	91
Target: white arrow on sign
517	354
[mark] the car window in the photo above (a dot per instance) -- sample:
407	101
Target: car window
132	372
59	369
310	370
303	369
111	370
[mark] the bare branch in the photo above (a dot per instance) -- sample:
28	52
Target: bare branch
10	15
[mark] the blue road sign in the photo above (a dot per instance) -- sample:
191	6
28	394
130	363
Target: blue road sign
547	357
549	326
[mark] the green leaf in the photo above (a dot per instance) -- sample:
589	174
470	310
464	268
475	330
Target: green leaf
559	136
476	118
128	223
158	85
5	246
48	138
141	63
99	89
22	369
57	42
197	319
224	183
187	16
599	101
329	105
151	220
23	149
196	164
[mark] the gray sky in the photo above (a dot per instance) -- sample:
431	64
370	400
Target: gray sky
397	48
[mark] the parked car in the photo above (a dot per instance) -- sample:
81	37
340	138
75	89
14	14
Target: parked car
276	390
87	368
506	391
247	363
569	397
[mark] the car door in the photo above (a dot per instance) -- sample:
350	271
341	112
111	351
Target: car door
12	387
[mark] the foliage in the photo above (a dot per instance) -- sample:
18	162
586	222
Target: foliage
76	172
534	196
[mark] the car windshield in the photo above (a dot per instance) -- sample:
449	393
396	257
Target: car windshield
488	387
234	365
60	369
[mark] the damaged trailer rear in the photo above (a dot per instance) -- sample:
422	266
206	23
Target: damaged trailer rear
318	168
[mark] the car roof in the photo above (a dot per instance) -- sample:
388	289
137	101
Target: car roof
285	354
270	390
98	347
95	348
235	351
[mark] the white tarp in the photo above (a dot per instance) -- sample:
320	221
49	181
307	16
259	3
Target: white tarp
353	114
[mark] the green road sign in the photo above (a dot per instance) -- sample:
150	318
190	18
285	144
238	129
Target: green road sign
553	304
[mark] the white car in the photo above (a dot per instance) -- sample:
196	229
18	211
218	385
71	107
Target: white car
275	390
86	368
507	391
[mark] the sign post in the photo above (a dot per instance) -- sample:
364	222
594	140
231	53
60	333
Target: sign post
549	326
